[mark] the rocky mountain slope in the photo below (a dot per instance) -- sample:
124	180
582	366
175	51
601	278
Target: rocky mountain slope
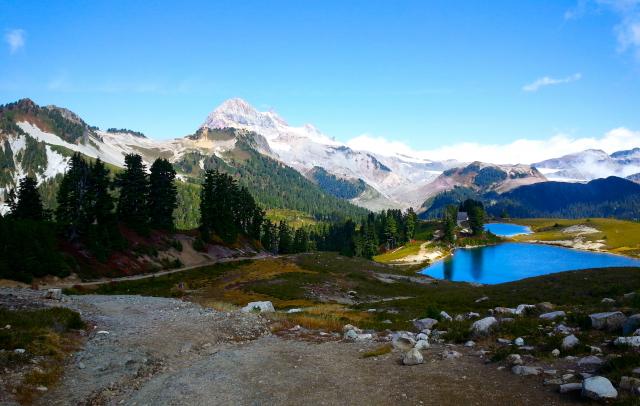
591	164
239	139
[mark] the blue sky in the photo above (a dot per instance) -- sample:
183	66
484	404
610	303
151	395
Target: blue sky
427	74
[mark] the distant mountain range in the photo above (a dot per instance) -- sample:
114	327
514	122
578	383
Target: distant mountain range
258	146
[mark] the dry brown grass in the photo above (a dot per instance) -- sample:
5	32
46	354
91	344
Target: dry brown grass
376	352
229	287
326	317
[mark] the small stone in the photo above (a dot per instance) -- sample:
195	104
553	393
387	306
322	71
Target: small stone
295	310
568	377
503	341
422	336
569	342
629	295
445	316
348	327
351	335
42	388
450	354
470	344
81	365
519	341
636	371
555	353
553	315
102	332
608	300
19	350
515	359
412	357
482	299
525	370
598	388
426	323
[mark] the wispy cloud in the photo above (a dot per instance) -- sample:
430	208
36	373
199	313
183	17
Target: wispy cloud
523	151
549	81
16	39
627	30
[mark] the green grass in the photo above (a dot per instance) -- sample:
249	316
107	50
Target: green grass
411	248
47	334
620	236
294	218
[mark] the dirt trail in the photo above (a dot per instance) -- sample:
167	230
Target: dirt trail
167	352
153	275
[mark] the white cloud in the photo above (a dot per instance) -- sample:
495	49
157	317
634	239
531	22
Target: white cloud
549	81
523	151
627	30
16	39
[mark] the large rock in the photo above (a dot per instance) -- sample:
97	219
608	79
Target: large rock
607	320
553	315
598	388
569	342
631	325
259	307
413	357
421	345
633	341
515	359
424	324
403	342
523	308
483	326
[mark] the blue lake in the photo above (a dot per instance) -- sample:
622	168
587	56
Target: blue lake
513	261
506	229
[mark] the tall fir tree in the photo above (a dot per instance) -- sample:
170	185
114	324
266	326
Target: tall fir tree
75	209
285	245
163	194
133	183
27	203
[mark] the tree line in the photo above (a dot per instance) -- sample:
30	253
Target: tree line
93	203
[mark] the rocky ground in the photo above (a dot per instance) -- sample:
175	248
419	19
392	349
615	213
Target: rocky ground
144	350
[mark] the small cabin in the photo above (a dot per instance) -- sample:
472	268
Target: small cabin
462	218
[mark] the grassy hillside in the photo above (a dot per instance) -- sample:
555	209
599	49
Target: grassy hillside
619	236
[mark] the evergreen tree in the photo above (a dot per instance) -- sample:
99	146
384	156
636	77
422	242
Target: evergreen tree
101	198
450	222
75	209
27	203
410	224
133	208
163	194
284	239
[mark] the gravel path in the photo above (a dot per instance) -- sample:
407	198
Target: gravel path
157	351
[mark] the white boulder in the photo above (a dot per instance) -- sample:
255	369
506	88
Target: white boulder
569	342
483	326
413	357
598	388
